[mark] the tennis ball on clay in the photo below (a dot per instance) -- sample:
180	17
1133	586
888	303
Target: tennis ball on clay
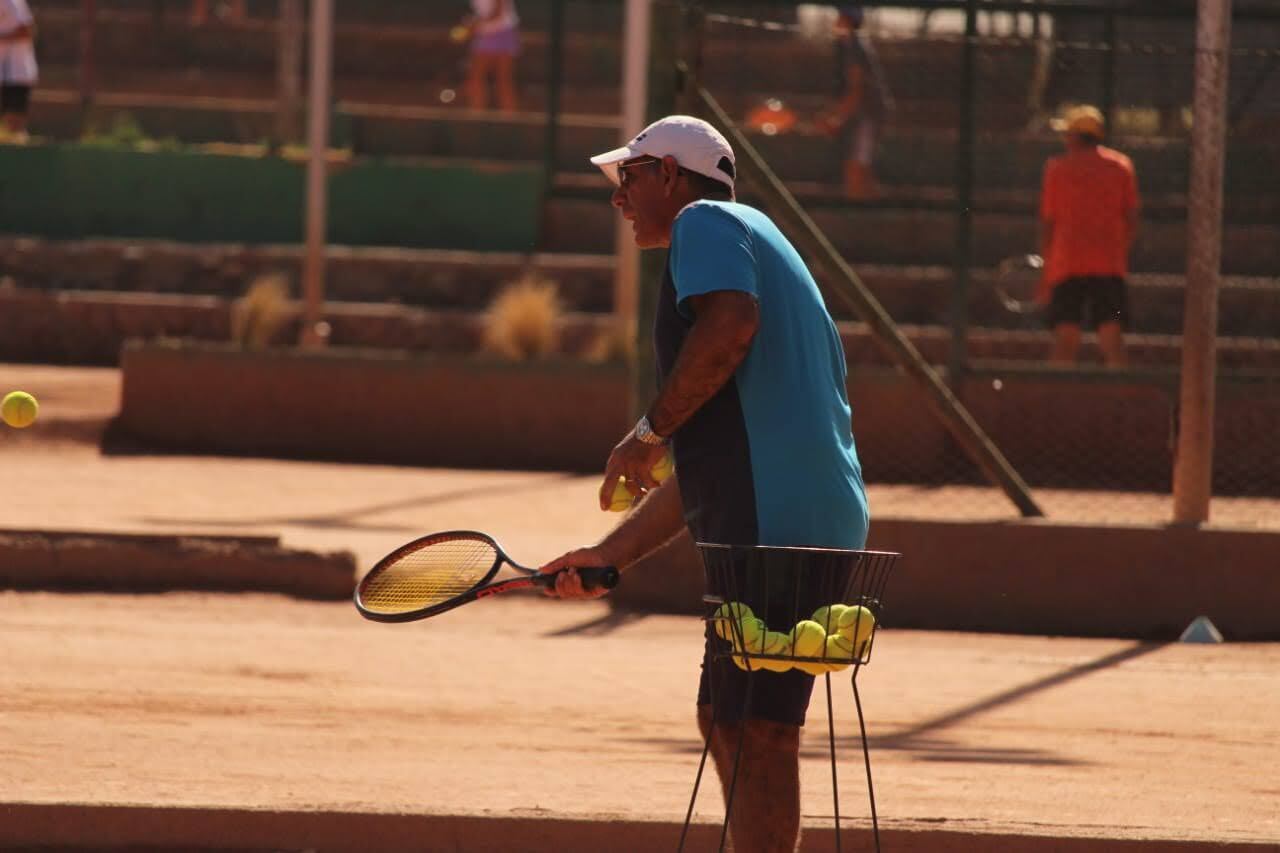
808	639
828	616
856	625
19	409
730	610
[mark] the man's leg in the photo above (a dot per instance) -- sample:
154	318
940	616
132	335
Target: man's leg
1066	343
766	799
1111	342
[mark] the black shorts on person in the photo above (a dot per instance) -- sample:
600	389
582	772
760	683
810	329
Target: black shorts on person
1089	301
14	98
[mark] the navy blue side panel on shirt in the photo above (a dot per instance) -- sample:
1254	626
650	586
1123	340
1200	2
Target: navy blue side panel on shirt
770	460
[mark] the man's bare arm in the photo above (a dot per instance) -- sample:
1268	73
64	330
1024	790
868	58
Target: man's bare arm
725	321
658	518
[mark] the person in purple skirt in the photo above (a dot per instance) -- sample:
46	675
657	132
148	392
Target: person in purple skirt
495	42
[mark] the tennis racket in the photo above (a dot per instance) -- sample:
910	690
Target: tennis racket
436	573
1015	283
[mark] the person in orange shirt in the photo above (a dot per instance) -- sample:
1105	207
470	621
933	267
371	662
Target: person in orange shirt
1088	217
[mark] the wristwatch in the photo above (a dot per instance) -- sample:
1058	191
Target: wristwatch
644	432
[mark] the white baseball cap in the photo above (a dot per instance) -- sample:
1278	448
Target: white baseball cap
696	145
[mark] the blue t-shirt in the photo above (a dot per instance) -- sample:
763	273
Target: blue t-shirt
770	458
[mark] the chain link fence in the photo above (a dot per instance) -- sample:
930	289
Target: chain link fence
934	199
934	203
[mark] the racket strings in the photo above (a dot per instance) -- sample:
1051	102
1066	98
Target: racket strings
434	573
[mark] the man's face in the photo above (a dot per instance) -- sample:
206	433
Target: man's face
642	196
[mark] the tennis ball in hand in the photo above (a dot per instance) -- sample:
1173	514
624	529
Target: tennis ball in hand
829	617
19	409
663	468
856	625
730	610
622	500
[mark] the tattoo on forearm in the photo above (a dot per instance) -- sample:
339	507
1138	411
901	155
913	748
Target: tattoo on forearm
705	363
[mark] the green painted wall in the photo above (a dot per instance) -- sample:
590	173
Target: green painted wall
75	191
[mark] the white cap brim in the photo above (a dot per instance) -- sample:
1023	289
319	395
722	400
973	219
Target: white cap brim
608	162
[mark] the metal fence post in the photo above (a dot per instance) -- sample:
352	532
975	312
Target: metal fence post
1193	467
964	203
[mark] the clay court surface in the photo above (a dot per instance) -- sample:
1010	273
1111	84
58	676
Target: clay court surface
211	713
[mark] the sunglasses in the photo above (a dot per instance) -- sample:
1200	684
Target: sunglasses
624	178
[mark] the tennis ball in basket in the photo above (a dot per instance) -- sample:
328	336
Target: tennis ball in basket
19	409
857	620
828	617
775	643
753	631
808	639
725	612
840	651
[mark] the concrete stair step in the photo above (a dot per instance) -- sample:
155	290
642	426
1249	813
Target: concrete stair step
468	281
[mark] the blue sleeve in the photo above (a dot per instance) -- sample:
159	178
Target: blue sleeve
711	250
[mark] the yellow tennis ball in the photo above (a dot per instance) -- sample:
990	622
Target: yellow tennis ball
729	610
758	640
828	617
663	468
19	409
808	639
840	651
856	625
753	631
621	500
775	643
459	33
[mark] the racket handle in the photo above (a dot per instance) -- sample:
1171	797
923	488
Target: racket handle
593	577
599	577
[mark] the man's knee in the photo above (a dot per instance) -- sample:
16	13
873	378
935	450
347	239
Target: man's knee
772	737
759	737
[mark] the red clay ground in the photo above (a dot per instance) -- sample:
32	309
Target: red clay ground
519	712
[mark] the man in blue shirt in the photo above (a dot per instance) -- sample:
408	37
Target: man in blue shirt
753	405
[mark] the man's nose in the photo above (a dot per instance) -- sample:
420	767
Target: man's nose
619	195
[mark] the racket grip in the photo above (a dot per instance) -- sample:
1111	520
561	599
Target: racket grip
598	577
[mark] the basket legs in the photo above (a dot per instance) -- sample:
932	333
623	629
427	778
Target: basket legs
866	758
831	742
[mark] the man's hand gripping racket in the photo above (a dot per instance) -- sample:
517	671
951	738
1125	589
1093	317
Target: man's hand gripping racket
436	573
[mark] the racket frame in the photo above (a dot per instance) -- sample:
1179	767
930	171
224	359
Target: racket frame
483	588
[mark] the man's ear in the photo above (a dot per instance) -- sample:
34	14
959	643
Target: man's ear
670	174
